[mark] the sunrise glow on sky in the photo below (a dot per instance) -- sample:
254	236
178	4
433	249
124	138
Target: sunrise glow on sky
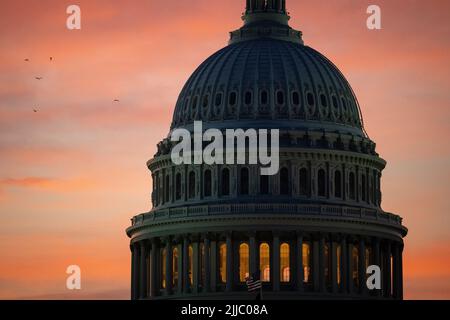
73	173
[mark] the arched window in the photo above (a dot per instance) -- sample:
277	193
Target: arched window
190	264
167	189
248	98
264	184
207	180
323	100
285	270
163	267
352	184
264	261
337	184
233	98
280	97
310	99
175	258
363	188
223	263
306	257
321	183
303	182
244	182
264	97
218	99
243	262
191	185
225	182
178	186
295	98
355	266
284	181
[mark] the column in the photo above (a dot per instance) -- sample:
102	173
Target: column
229	271
344	265
299	262
397	275
136	272
153	269
213	262
185	268
350	283
376	258
169	267
196	270
316	265
387	271
322	281
334	285
180	265
400	263
253	263
143	273
207	264
276	262
133	272
362	266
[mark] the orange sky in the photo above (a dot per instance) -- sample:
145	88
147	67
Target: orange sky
73	174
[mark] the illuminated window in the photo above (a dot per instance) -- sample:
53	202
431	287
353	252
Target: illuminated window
175	267
223	263
163	268
285	274
327	260
284	181
303	182
202	264
207	179
338	264
355	266
191	184
190	264
264	262
321	183
243	262
306	252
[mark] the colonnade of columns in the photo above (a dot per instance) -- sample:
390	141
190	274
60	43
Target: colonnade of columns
318	263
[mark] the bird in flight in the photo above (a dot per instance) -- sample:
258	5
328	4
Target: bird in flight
26	60
35	110
116	100
38	78
51	58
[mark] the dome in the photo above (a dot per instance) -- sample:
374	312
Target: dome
269	79
301	230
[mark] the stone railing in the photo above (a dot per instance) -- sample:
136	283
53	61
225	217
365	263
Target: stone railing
269	208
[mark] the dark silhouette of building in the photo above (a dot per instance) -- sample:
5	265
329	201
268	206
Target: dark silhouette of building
311	230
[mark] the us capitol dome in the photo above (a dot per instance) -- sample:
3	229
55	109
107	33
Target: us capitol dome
311	230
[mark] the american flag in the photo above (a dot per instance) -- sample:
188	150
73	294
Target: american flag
253	283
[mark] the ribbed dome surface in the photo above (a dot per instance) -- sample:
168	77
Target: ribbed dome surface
266	79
